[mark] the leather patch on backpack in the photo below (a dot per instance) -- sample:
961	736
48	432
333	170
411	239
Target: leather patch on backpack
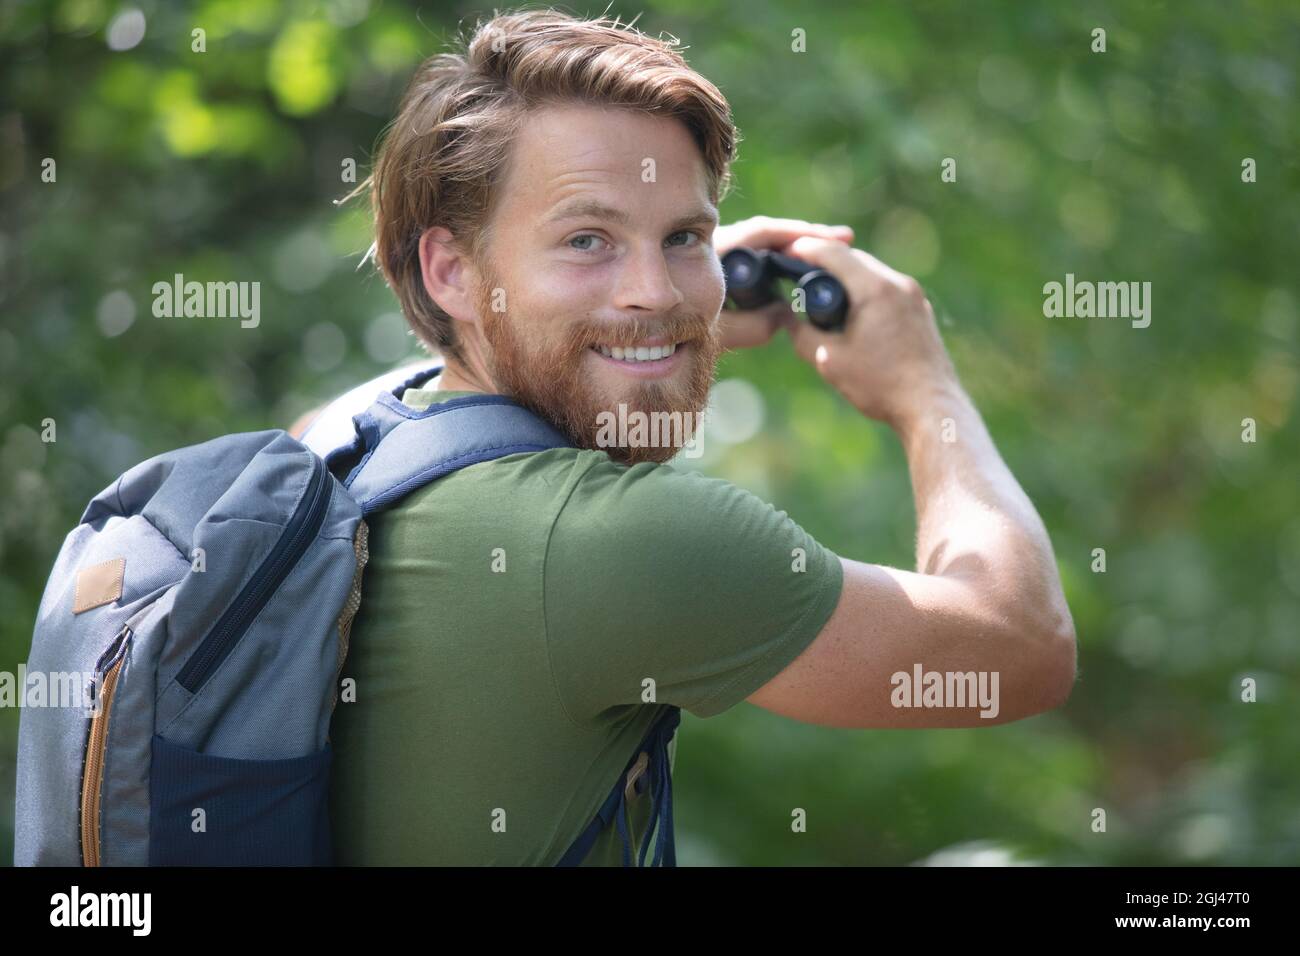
98	584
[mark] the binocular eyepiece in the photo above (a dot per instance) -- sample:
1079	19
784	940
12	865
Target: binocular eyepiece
752	275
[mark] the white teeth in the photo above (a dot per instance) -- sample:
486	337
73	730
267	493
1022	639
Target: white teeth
639	353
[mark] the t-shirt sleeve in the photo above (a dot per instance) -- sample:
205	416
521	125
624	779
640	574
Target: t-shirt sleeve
655	573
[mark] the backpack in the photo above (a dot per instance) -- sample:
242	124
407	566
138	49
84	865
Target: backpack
204	604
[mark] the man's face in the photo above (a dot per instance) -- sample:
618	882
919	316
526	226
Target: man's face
602	237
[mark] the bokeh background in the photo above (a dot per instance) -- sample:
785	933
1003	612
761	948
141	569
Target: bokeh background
1120	166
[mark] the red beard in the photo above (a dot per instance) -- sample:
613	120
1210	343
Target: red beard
549	377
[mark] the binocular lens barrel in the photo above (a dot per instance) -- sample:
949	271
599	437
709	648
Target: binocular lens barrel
752	277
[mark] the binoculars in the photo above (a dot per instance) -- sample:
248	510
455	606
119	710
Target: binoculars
752	274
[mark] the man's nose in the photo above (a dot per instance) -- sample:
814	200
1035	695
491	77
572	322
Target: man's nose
645	282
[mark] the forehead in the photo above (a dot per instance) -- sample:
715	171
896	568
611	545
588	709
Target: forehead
563	151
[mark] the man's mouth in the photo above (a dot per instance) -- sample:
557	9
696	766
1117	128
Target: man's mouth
639	353
643	360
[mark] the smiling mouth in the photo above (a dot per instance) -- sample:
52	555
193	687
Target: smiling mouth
640	353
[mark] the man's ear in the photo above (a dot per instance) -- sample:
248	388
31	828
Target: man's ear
448	273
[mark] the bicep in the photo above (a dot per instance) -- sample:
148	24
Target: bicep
889	621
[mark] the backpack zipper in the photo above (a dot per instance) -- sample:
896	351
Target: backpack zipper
298	534
92	776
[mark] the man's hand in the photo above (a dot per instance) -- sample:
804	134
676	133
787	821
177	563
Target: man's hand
889	357
742	330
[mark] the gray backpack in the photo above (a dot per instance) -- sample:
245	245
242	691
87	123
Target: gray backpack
193	630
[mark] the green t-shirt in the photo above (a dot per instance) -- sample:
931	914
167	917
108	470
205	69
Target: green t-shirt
511	615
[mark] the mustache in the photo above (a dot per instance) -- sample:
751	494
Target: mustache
679	327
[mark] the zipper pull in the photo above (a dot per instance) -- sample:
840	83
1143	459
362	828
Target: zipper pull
104	665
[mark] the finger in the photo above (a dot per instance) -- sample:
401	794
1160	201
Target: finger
850	265
843	239
766	233
748	329
810	343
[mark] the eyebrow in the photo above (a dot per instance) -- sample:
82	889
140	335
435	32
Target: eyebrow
594	209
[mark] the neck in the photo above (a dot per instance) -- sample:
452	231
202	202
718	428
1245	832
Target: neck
455	378
470	372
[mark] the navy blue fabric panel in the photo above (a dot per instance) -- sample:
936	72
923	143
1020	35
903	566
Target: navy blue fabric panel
658	777
255	812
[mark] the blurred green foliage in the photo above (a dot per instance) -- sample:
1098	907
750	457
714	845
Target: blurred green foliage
1122	166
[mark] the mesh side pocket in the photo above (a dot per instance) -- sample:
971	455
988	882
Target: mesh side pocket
361	549
253	812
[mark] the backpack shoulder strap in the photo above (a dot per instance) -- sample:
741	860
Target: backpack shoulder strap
333	426
394	449
402	450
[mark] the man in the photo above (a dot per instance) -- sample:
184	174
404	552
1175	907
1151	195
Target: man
546	211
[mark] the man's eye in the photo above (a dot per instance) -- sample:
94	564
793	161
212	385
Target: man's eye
585	235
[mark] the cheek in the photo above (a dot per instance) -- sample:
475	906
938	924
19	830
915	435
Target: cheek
706	289
564	290
560	284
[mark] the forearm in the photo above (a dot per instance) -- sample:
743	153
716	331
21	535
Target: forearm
974	521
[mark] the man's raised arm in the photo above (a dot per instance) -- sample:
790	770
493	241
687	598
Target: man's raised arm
985	602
